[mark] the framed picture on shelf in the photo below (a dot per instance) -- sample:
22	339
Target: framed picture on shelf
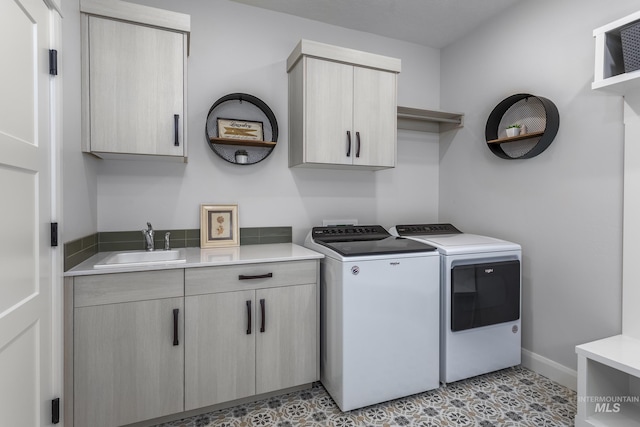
240	129
219	226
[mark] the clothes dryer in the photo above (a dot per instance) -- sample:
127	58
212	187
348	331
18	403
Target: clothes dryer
480	295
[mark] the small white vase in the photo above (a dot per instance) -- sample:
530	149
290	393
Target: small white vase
513	132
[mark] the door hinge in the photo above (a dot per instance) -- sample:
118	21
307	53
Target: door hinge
55	410
53	62
54	234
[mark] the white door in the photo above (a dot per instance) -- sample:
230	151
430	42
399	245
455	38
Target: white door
25	194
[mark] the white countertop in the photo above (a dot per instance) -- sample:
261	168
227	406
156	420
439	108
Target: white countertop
196	257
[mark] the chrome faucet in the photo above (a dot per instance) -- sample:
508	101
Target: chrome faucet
167	247
148	236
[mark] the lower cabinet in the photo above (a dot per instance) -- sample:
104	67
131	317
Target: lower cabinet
286	351
220	365
149	344
260	339
128	356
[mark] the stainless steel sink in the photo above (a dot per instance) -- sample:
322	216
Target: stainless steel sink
141	258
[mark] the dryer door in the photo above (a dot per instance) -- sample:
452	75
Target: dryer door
484	294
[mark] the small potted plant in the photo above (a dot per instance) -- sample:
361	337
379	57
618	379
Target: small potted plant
513	130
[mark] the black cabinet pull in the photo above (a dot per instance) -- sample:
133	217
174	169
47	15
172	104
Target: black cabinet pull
249	317
258	276
262	312
176	118
357	144
348	143
175	326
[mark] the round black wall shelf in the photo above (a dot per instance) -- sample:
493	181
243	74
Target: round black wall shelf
246	108
538	118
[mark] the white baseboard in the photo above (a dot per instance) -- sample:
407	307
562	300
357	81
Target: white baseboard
550	369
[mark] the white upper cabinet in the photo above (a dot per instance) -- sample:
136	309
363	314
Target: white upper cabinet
134	81
342	107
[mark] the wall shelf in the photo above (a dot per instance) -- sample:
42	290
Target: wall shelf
244	142
241	106
515	138
428	120
538	115
609	73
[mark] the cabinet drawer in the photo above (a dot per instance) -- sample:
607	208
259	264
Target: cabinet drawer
249	276
127	287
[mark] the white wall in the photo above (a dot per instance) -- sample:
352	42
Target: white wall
238	48
565	205
79	181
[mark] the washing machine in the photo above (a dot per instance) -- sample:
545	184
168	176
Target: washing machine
480	296
379	305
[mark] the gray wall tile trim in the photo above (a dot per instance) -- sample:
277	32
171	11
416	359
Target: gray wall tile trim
73	247
81	249
275	231
265	235
249	240
249	232
193	233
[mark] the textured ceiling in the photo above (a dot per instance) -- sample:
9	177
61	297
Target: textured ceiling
433	23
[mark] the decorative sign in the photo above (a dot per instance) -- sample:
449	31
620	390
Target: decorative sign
240	129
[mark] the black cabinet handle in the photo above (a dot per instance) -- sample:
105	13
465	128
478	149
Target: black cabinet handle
176	119
348	143
176	311
258	276
357	144
262	312
249	317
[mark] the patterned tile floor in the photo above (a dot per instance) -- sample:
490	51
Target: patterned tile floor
510	397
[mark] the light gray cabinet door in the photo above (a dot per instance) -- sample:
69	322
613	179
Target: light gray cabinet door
328	134
220	348
286	348
136	87
128	367
374	117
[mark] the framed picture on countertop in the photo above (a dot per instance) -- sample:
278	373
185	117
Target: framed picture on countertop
219	226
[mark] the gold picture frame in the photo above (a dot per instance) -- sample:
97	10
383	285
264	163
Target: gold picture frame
219	226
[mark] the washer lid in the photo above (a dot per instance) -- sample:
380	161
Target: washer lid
365	240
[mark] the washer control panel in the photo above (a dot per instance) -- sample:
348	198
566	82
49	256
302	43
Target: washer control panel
351	232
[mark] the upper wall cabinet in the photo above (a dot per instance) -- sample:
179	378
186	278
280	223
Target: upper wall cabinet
611	73
134	62
342	107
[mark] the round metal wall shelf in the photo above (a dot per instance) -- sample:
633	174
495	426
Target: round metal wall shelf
537	114
242	107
